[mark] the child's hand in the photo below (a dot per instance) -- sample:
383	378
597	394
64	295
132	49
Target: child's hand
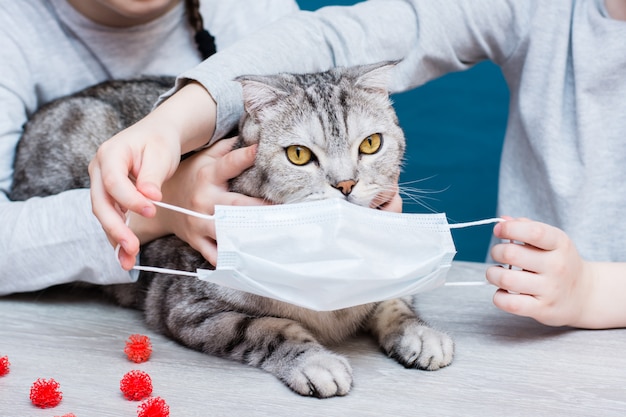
200	183
129	169
133	153
550	282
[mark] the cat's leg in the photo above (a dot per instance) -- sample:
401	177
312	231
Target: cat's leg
287	350
280	346
407	339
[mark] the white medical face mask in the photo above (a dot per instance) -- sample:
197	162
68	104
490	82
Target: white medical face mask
329	254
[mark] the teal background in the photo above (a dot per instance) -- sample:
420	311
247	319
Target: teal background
454	128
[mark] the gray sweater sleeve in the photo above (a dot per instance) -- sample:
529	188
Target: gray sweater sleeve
65	242
430	38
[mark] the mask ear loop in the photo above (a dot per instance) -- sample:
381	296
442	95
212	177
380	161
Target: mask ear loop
167	270
476	223
183	210
469	224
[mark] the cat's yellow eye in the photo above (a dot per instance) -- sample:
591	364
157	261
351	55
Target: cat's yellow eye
371	144
299	155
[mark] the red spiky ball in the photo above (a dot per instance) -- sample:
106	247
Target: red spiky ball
138	348
5	365
45	393
153	407
136	385
67	415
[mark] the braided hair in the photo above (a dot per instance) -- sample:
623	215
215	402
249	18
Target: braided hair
204	40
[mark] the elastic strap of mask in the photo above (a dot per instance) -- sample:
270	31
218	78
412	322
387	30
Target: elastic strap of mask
465	283
183	210
469	224
169	207
476	223
166	270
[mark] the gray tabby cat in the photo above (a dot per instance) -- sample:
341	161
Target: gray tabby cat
324	135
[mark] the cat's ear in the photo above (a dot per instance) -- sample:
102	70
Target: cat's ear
259	92
374	77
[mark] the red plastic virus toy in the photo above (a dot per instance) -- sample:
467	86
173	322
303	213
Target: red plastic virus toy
45	393
67	415
138	348
4	365
136	385
153	407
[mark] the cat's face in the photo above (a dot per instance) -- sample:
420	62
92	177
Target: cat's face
320	136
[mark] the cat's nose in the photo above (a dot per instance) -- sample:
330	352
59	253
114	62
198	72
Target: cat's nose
345	186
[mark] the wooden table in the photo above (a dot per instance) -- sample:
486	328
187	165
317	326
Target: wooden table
504	365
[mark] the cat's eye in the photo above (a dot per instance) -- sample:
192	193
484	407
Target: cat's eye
371	144
299	155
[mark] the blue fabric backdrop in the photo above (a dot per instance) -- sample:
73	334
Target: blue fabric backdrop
454	127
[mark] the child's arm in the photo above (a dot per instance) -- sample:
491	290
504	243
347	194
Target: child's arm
555	286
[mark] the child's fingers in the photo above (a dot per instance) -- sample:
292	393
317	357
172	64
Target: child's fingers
234	163
222	147
110	184
127	261
155	167
209	251
236	199
533	233
519	304
524	256
514	280
109	214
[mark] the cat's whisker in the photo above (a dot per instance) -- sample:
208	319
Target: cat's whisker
412	194
417	196
416	181
420	191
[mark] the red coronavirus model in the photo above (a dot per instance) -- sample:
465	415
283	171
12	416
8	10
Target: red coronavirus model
136	385
153	407
138	348
45	393
4	365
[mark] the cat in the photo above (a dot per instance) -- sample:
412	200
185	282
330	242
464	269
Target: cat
60	139
331	134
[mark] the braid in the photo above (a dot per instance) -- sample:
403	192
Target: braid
192	8
204	40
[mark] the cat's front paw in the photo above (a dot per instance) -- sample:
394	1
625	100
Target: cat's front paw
320	374
421	347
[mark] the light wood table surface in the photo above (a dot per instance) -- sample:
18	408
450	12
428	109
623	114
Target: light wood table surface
504	365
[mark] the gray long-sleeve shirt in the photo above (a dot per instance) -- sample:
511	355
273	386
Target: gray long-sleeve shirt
48	50
564	155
